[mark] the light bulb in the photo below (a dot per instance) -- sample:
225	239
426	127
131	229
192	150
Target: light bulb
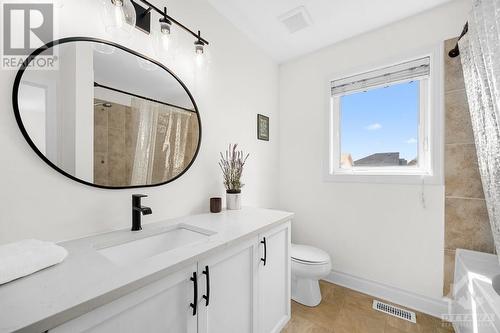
199	52
165	26
165	42
200	59
119	17
164	38
199	49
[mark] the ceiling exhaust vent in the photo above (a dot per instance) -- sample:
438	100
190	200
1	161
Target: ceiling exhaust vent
395	311
295	20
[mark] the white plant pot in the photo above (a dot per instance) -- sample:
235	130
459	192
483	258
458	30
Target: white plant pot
233	201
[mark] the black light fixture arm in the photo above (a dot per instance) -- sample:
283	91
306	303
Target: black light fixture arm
147	11
164	13
455	52
164	18
199	40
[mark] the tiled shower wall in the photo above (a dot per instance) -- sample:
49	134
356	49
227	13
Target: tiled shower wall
115	137
113	145
466	218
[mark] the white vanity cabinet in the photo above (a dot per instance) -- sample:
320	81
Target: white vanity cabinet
274	280
230	287
249	286
243	288
162	306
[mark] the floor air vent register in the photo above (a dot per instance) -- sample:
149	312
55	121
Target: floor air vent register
395	311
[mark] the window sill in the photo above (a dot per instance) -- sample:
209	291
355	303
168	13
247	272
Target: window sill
383	178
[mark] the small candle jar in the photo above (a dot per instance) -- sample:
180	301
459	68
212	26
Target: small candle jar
215	205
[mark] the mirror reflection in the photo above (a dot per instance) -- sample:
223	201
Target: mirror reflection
108	117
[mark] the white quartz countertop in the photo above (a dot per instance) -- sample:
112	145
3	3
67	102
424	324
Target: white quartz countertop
87	280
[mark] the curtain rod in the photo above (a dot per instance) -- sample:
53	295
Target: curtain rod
455	52
141	97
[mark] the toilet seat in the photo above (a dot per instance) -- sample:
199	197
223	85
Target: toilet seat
309	255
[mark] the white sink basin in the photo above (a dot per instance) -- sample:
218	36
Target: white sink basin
150	245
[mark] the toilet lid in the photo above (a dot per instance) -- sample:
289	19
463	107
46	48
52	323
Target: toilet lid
309	254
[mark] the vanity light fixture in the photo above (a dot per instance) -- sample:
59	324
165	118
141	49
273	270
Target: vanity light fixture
165	23
199	49
165	32
118	12
198	45
119	17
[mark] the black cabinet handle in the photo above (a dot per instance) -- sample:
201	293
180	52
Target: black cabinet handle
265	251
195	296
207	276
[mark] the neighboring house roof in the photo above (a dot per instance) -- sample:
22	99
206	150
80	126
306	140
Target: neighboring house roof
381	159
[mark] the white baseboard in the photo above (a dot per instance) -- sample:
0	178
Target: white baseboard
430	306
281	325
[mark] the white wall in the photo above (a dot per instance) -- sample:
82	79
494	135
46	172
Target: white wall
84	112
381	233
33	103
75	111
240	82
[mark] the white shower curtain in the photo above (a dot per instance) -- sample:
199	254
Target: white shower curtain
147	115
174	141
160	152
480	54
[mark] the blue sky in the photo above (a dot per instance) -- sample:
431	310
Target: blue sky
380	121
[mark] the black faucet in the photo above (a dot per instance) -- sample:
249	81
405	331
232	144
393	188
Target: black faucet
138	210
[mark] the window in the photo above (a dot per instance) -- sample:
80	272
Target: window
379	127
380	124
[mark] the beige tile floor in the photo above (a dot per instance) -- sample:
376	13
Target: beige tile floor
347	311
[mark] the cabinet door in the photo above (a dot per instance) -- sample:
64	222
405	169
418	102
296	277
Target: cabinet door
232	296
163	306
274	279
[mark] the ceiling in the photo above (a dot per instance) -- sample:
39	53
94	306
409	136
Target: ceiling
330	21
124	71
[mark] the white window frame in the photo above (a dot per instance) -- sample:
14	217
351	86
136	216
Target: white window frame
431	129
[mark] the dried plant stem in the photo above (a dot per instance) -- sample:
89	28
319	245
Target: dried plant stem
232	164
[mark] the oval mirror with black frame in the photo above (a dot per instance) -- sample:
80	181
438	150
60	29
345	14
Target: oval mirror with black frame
105	115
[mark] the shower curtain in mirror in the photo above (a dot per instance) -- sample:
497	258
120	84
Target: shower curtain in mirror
480	54
160	149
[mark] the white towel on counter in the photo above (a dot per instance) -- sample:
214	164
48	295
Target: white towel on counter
27	257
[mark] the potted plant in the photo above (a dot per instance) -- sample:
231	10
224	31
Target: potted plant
232	164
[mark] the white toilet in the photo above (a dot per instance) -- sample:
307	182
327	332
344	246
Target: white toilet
309	265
